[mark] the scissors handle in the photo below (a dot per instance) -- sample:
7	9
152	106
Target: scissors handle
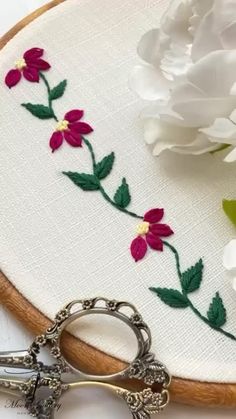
141	404
17	359
14	386
145	367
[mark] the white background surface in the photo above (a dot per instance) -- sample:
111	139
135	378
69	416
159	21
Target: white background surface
13	337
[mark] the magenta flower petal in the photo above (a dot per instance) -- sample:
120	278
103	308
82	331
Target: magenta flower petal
39	64
161	230
31	74
73	138
74	115
56	140
138	248
154	215
81	127
12	78
154	242
33	53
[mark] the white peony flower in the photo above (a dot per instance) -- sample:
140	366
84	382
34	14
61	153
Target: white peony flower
229	260
189	76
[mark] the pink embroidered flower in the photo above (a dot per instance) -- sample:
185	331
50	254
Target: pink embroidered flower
70	129
29	65
150	232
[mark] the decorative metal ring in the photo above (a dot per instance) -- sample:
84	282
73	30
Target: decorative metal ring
144	367
105	307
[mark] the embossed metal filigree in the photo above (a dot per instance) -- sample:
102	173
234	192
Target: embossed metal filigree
144	403
149	370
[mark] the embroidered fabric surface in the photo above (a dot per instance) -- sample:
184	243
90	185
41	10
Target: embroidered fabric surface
71	239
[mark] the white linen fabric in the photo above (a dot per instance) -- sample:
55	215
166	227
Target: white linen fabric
60	243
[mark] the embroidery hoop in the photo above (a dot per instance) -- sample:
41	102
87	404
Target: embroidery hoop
184	391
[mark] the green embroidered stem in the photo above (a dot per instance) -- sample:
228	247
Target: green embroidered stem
187	301
177	258
205	320
100	187
42	76
90	148
108	199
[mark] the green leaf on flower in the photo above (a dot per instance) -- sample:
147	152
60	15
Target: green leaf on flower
217	312
122	196
41	111
192	278
221	148
83	180
58	90
229	208
171	297
104	167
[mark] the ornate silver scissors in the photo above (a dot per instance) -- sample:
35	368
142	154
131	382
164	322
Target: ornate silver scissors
144	367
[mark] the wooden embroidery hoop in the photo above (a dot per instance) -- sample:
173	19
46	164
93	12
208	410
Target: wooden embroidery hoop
189	392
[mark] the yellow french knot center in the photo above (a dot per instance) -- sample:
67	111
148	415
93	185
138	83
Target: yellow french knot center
62	125
20	64
143	228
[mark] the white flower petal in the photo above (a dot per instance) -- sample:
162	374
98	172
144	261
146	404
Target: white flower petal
176	61
203	112
231	157
228	37
224	14
200	9
215	73
229	256
222	129
233	89
161	110
200	145
155	109
166	135
149	47
149	83
206	39
185	91
175	21
232	116
173	118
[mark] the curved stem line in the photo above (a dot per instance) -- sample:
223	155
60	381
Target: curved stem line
49	91
177	258
190	304
101	189
205	319
90	148
104	194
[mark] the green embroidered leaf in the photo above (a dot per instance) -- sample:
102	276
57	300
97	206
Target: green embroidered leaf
103	168
41	111
229	208
217	312
171	297
83	180
58	90
122	196
192	278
